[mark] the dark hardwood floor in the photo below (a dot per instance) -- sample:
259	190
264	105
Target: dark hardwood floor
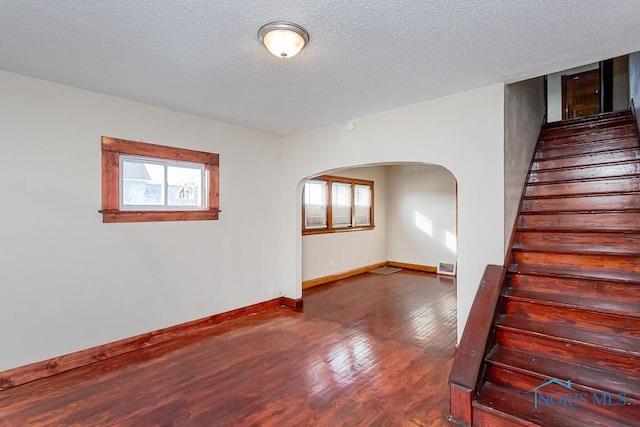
370	350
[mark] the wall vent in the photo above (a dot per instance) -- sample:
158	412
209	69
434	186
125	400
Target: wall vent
448	268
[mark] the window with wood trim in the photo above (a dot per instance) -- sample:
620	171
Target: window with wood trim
333	204
143	182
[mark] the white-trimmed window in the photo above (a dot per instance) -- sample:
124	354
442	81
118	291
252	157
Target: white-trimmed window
334	204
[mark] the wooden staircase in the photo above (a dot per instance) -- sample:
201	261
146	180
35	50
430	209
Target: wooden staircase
569	304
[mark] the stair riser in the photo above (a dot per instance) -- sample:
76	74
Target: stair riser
624	131
581	262
525	384
568	352
584	187
591	147
482	418
583	203
587	172
613	221
602	242
584	319
611	291
587	160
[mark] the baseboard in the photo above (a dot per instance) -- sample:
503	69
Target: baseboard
56	365
416	267
294	304
328	279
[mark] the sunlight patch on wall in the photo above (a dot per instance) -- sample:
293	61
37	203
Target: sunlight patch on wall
423	223
451	242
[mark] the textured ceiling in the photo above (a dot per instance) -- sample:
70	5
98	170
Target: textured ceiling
203	57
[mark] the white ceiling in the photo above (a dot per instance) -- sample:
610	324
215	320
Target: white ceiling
203	57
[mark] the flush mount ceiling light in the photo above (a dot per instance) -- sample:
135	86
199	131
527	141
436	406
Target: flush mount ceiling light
283	39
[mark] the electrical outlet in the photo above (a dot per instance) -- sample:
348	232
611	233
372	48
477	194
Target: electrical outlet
271	290
331	263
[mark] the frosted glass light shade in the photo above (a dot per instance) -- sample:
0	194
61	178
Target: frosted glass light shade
283	39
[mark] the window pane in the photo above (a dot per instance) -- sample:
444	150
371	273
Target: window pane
142	183
362	204
184	186
315	204
341	204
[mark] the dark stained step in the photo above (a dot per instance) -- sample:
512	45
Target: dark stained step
579	241
592	378
574	129
588	186
607	170
513	393
567	350
586	148
596	135
597	265
625	114
591	310
613	156
559	288
624	346
583	313
580	273
588	203
578	221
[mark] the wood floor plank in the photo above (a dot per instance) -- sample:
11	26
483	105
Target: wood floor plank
369	350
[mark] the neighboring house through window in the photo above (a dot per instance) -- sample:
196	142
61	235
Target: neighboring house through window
149	182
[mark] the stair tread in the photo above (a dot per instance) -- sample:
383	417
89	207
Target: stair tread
625	127
602	340
582	195
585	230
614	276
586	250
570	173
585	160
595	143
612	115
518	404
626	176
597	378
631	309
589	153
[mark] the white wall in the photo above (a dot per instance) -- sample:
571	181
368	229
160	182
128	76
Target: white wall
333	253
67	280
523	114
554	90
422	214
462	132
